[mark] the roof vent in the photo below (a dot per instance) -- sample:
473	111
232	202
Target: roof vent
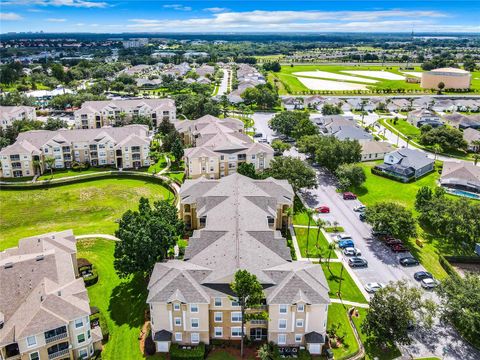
8	265
39	257
59	293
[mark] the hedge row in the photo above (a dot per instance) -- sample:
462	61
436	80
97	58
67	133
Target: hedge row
390	176
447	266
195	353
103	324
91	280
463	259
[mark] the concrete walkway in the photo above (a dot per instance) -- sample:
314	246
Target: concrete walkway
350	303
166	168
101	236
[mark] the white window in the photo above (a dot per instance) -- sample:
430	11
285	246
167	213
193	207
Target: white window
35	356
235	303
298	338
83	353
176	307
194	338
300	307
282	339
178	336
218	317
218	332
218	301
31	341
236	331
78	323
193	308
283	309
81	338
178	321
253	157
282	324
194	323
236	316
299	323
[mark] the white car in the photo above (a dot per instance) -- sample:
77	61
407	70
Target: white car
341	237
360	208
428	283
351	251
373	287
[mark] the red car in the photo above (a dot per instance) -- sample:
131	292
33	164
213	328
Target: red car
398	248
349	196
392	242
322	209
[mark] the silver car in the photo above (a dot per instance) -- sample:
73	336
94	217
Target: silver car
351	251
373	287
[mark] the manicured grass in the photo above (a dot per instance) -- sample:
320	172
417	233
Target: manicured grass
176	176
337	314
372	351
349	289
313	251
121	301
334	229
18	179
300	215
157	167
88	207
57	174
406	128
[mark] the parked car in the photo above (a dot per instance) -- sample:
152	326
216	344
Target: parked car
342	244
398	248
391	242
351	251
428	283
263	140
322	209
420	275
373	287
343	236
408	261
357	262
349	196
257	135
360	208
362	216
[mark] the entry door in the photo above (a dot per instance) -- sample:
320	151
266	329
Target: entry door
162	346
314	348
258	334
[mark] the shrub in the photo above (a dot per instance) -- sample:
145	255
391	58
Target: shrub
99	318
150	348
195	353
91	279
447	266
304	355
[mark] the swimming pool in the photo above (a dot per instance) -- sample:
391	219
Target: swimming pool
464	194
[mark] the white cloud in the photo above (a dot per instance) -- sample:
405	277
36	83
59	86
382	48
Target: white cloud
179	7
216	9
58	20
10	16
71	3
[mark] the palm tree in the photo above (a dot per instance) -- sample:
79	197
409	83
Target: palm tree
331	246
320	224
309	213
50	161
37	166
335	225
408	140
437	149
476	157
289	213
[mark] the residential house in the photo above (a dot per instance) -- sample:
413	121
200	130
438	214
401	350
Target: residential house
467	105
463	122
314	102
236	222
444	105
424	102
461	176
148	83
293	103
205	70
220	146
122	147
397	105
406	164
204	80
44	305
8	114
95	114
422	117
342	127
472	137
375	150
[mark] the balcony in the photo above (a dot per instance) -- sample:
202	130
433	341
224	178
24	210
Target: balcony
16	165
58	354
135	149
258	322
14	157
59	336
66	149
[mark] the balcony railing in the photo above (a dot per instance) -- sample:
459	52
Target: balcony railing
55	337
258	322
58	354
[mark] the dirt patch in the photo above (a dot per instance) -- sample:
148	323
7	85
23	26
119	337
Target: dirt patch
464	268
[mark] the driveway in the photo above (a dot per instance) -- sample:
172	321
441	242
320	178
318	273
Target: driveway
222	88
261	120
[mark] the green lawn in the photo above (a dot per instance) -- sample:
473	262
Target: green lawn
179	176
88	207
300	215
350	291
313	250
406	128
121	301
337	314
61	173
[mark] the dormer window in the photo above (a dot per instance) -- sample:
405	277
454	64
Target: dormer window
203	221
271	221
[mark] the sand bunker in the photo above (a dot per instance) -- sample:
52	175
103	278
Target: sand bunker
329	75
318	84
417	74
376	74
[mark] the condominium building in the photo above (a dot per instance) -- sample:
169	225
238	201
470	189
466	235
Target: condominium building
236	222
44	305
121	147
95	114
8	114
220	146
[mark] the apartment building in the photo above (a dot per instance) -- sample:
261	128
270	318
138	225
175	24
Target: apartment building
44	305
120	147
96	114
220	146
236	222
8	114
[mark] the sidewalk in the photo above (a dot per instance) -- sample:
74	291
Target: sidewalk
351	303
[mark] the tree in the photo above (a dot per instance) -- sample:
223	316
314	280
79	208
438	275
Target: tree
263	95
460	299
310	213
146	236
55	124
286	122
436	149
177	149
224	103
423	197
165	127
298	174
249	294
279	146
440	86
50	161
329	109
194	106
393	310
447	138
391	218
247	169
304	127
350	175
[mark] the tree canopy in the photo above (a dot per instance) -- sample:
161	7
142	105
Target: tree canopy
298	174
263	95
349	175
447	138
392	218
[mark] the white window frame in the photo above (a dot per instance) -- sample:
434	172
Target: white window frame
84	339
299	323
195	341
281	307
191	323
215	317
79	326
178	336
215	302
32	353
238	315
235	303
176	307
34	341
300	307
280	322
215	332
284	336
178	321
239	331
80	353
298	338
194	306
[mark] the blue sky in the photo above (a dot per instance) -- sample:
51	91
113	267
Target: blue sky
239	16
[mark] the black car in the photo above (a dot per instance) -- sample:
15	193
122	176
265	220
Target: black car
409	261
362	217
420	275
357	262
258	135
